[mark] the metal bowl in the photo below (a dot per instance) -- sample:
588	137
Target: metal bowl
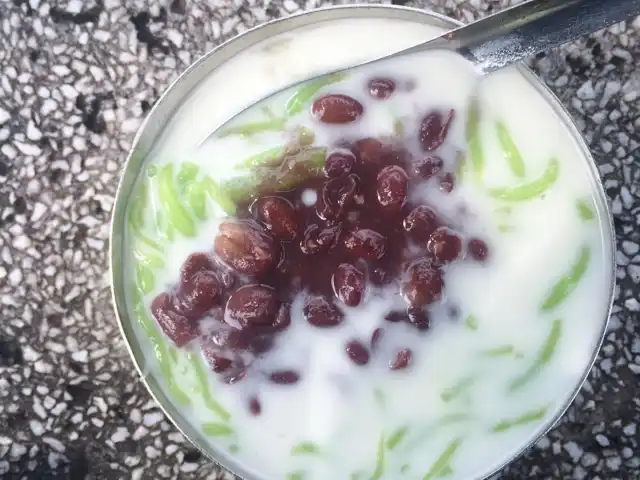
171	101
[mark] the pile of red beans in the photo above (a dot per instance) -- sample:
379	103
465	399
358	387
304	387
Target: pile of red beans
359	233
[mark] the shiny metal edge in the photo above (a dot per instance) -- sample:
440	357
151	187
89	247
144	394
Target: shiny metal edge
170	101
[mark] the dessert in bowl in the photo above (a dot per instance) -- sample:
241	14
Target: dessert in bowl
383	274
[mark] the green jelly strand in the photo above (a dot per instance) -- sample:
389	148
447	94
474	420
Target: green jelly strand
542	360
524	419
160	348
205	388
568	282
177	215
474	144
308	90
443	462
510	150
529	191
253	128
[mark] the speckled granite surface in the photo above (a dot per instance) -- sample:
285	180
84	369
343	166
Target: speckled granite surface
75	79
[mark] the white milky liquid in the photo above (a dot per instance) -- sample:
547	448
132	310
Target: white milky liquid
335	406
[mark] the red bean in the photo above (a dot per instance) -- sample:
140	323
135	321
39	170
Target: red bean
348	284
396	316
279	216
284	377
246	247
381	88
376	336
478	249
252	305
397	155
434	129
365	243
369	151
402	359
254	406
249	340
445	245
421	223
283	318
422	283
317	239
235	374
428	166
357	352
227	278
447	182
337	109
391	188
339	163
218	362
260	344
232	338
198	295
180	329
418	318
338	196
380	276
196	262
320	312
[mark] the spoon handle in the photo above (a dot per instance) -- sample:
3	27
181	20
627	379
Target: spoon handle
529	28
518	32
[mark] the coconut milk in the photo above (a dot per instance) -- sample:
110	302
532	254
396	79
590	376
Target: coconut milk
454	413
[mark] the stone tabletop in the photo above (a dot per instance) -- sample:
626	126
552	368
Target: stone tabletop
76	78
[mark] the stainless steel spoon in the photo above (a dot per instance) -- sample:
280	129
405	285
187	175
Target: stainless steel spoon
510	35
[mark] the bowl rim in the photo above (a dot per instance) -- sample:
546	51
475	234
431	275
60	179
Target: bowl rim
135	160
